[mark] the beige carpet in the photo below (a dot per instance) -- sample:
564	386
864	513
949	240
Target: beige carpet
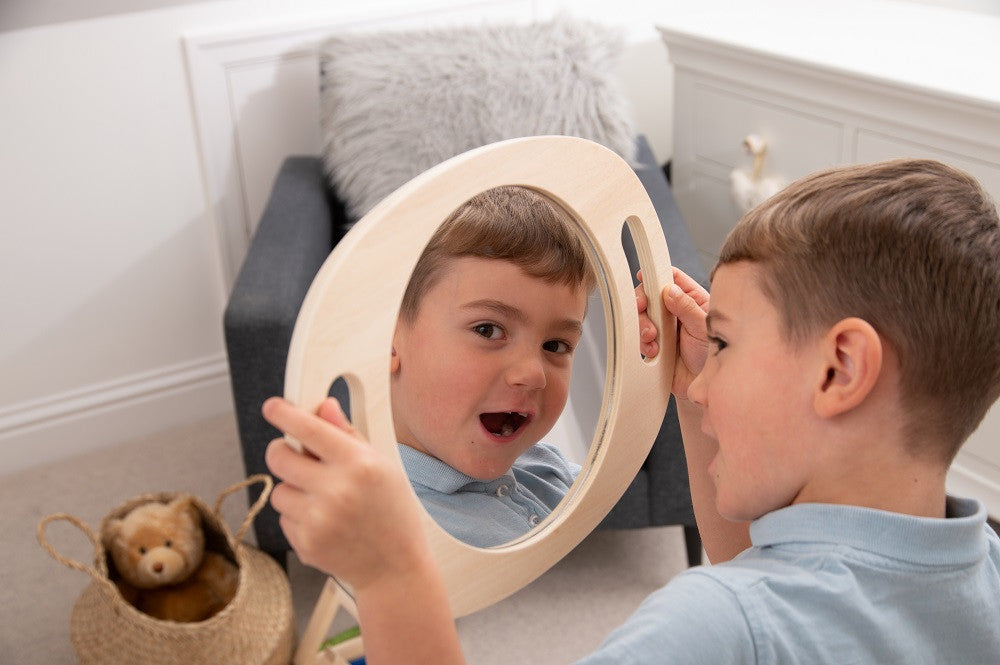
558	618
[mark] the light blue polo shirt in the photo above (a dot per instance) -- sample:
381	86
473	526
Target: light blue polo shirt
831	584
494	512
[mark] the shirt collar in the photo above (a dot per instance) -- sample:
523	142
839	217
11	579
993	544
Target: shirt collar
432	473
956	539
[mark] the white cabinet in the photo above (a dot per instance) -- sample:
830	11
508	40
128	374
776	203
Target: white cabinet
855	81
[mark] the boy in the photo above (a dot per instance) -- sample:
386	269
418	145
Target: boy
850	347
481	363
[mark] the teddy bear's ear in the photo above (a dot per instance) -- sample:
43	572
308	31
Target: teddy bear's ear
184	504
110	533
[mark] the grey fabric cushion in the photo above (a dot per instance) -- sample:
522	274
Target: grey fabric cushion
394	104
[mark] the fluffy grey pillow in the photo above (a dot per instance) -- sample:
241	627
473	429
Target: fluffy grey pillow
394	104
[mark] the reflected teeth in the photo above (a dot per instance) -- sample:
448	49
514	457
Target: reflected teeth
509	428
504	423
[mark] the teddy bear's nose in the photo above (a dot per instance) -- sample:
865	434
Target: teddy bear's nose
157	567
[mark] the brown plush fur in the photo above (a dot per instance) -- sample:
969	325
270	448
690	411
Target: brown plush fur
159	551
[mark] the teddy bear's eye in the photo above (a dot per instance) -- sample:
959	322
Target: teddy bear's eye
169	543
142	550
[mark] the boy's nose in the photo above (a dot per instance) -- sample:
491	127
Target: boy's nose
696	391
527	372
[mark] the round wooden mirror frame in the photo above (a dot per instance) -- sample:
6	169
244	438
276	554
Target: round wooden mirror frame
346	323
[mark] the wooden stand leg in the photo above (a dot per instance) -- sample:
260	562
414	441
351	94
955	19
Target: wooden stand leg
332	598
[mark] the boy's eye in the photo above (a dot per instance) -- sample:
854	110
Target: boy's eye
488	330
717	343
557	346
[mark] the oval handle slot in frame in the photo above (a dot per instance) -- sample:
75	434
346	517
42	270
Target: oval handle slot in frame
345	327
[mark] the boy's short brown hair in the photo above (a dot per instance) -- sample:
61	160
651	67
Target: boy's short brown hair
508	223
913	248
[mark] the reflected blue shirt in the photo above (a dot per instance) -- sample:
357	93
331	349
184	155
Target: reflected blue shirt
494	512
831	584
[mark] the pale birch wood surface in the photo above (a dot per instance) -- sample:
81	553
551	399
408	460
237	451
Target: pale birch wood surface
345	328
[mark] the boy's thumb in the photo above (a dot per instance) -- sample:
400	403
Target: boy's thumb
331	412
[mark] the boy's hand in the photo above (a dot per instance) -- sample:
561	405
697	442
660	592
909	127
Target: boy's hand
688	301
649	345
345	507
349	510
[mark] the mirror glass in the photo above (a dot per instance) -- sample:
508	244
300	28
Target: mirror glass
498	365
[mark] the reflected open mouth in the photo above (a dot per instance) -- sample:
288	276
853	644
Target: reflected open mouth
504	424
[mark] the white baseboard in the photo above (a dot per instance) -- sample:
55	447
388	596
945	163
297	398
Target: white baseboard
64	425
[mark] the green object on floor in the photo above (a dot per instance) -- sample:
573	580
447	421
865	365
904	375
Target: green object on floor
340	637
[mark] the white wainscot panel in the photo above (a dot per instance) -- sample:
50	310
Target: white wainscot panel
284	88
255	95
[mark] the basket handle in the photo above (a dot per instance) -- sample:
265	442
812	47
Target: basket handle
255	508
100	573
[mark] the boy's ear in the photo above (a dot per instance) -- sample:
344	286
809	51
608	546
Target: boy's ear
394	361
852	354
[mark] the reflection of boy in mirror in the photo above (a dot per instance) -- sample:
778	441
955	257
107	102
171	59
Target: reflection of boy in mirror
850	347
481	363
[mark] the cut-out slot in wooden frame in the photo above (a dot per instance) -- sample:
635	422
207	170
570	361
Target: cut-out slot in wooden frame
346	324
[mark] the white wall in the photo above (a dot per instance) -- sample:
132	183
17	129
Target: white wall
111	279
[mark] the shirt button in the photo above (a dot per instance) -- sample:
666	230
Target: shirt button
534	520
503	491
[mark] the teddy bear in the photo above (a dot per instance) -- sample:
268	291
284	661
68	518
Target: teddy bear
159	552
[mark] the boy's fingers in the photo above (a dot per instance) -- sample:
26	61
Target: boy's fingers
689	286
323	439
687	310
291	467
648	346
331	411
288	500
641	302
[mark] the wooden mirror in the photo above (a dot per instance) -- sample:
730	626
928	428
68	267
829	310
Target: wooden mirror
346	324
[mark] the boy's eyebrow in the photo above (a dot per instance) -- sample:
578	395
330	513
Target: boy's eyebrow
509	311
714	315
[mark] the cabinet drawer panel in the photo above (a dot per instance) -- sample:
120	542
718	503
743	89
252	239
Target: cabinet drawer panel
709	213
874	146
798	143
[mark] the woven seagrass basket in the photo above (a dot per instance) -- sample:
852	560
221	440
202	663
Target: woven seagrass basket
256	627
